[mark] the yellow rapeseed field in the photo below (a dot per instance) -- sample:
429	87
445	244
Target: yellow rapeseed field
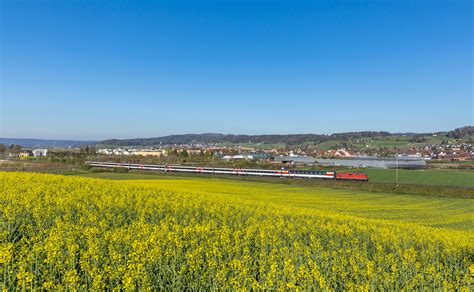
61	232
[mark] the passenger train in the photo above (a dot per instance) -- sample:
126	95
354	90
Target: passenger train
322	174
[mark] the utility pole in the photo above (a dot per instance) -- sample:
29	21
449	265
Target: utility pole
396	172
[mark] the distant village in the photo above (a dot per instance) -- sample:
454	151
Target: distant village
383	157
457	152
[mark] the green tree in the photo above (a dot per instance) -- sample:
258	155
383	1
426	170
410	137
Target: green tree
15	149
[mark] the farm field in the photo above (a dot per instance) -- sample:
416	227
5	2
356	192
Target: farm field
423	177
433	212
62	232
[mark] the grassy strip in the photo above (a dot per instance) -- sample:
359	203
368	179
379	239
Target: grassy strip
413	189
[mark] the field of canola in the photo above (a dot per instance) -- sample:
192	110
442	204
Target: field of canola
61	232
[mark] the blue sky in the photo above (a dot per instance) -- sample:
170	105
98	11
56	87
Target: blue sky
120	69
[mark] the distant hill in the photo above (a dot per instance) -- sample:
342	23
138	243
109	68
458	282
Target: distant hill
464	133
42	143
461	133
211	138
292	139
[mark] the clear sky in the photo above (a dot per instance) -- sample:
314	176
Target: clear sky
121	69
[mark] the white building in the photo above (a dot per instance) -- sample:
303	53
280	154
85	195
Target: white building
105	151
40	152
238	157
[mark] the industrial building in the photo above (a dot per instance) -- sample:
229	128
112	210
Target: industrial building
295	159
376	162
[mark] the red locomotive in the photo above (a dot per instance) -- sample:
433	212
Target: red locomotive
352	176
